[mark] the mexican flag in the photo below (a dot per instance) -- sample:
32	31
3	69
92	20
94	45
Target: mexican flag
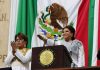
82	14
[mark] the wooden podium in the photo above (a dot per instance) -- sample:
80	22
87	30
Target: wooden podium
50	57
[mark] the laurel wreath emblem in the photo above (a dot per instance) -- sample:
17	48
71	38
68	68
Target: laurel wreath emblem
46	57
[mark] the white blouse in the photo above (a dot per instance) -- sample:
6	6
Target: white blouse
75	49
19	61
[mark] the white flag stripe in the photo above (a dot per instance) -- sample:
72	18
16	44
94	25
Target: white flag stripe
95	34
71	6
73	12
13	22
36	42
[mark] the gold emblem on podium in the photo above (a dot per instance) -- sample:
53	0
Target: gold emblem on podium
46	57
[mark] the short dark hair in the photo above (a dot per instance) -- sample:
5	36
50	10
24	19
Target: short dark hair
72	30
22	36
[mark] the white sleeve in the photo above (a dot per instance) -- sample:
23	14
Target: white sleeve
9	58
81	58
24	58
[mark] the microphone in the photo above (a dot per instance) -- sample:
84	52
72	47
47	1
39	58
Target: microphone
43	39
56	41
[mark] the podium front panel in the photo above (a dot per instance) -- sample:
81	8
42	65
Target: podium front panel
50	57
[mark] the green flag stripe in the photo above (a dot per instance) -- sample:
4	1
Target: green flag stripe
31	14
91	28
27	12
21	17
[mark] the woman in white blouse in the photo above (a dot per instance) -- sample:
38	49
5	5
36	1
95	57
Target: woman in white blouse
74	46
20	56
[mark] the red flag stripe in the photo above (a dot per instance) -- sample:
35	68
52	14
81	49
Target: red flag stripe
82	23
